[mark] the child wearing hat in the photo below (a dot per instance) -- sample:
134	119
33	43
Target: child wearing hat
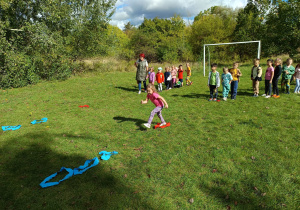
160	79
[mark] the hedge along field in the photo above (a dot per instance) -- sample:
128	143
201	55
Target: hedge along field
240	154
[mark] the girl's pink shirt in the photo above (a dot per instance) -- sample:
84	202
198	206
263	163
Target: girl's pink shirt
174	73
155	100
269	73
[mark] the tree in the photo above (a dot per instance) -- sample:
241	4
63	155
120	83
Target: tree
283	28
162	39
214	25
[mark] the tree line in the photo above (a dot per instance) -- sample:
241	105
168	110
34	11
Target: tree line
41	39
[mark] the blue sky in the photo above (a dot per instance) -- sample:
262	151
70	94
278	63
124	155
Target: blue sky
136	10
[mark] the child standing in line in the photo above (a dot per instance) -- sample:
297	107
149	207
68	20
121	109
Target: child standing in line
277	73
268	79
168	78
297	78
226	81
188	74
158	101
174	74
180	74
213	82
287	73
256	73
160	79
151	76
236	74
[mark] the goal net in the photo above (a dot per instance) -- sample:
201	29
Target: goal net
246	42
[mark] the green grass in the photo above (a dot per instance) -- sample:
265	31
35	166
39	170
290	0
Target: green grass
252	143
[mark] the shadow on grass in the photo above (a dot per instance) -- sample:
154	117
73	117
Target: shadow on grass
241	195
138	122
193	95
27	160
133	89
246	92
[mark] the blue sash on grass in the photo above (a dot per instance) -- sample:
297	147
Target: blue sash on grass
70	171
11	128
106	155
39	121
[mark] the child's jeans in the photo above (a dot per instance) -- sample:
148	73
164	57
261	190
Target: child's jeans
157	111
297	88
213	89
226	88
275	86
160	87
268	87
167	83
140	85
234	87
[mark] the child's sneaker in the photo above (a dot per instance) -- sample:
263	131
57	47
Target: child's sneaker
147	125
162	124
268	96
139	92
191	83
210	99
264	95
215	99
277	96
273	96
225	99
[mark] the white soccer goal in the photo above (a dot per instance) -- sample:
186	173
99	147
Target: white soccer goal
246	42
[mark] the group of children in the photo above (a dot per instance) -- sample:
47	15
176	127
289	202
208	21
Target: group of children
230	79
172	77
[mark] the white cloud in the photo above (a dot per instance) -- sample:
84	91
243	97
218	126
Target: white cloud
135	10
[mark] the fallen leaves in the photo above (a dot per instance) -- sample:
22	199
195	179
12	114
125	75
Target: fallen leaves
214	170
139	149
191	200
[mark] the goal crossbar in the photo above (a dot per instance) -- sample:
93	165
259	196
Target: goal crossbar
246	42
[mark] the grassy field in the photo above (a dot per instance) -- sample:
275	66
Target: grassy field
241	154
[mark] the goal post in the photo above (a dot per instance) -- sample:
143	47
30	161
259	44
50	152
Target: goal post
246	42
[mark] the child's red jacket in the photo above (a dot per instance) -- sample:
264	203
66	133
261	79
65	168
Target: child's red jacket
160	78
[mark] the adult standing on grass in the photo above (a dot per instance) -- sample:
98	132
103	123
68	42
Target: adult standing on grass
141	73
